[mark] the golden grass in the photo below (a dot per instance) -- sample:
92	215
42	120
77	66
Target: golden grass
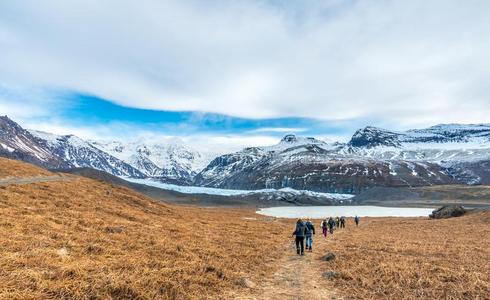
13	168
83	239
416	258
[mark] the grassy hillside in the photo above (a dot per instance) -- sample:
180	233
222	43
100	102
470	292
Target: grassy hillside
79	238
12	168
83	239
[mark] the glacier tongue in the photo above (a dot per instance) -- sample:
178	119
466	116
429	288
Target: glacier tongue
230	192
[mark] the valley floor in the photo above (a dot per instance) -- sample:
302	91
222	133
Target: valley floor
388	258
77	238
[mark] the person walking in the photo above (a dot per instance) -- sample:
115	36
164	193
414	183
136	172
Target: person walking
310	231
300	232
357	220
331	225
337	222
342	222
324	226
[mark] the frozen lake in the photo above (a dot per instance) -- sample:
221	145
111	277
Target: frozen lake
319	212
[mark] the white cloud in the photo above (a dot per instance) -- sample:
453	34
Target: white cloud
409	63
21	103
59	127
278	129
213	144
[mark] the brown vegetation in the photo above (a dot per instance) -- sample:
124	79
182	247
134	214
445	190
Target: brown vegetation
416	258
83	239
12	168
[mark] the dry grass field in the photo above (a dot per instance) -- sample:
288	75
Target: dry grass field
12	168
390	258
85	239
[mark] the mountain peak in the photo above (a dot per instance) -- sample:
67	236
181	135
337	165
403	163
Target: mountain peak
6	120
9	128
370	136
289	138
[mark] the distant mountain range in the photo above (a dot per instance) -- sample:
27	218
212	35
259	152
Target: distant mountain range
167	162
171	162
442	154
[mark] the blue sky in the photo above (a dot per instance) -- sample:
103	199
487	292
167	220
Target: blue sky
249	70
81	111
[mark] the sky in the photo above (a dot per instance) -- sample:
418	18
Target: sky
237	73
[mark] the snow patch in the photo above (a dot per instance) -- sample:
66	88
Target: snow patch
9	149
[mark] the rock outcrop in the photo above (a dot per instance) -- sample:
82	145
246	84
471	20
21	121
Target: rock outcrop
448	211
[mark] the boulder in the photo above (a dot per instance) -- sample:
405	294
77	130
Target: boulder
448	211
329	257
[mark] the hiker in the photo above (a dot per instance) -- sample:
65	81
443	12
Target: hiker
331	224
342	222
300	232
324	226
357	220
310	231
337	222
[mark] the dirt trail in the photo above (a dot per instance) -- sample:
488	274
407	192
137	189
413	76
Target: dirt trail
36	179
298	277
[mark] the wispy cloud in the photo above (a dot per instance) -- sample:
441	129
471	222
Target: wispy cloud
410	63
278	130
28	102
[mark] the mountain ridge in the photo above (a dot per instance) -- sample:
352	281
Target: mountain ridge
441	154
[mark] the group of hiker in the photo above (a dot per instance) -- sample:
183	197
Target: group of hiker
305	230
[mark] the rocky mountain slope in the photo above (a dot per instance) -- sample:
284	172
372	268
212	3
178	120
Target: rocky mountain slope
443	154
374	157
166	161
18	143
79	153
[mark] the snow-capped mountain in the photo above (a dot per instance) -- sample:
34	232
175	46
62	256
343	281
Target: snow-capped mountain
464	150
442	154
79	153
18	143
57	152
310	164
169	160
440	137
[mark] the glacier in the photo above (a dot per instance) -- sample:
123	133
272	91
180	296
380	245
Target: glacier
230	192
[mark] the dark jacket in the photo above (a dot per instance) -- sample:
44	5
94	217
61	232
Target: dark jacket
310	229
300	230
325	223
